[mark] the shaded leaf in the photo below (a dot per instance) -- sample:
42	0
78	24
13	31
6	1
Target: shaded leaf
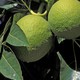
66	73
60	40
1	47
36	0
50	3
16	36
9	66
7	26
1	14
2	2
2	36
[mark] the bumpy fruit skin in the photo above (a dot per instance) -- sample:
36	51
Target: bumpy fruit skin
36	30
64	17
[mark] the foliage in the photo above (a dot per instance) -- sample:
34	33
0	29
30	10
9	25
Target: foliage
61	62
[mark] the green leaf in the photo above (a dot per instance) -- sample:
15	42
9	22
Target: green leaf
1	39
2	36
36	0
7	26
1	47
66	73
9	66
60	40
16	36
50	3
8	6
46	0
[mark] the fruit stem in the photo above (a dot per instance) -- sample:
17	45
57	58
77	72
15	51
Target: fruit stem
32	12
26	6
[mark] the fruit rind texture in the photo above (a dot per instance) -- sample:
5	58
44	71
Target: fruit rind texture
63	16
36	30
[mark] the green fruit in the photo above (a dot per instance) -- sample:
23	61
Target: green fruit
64	17
38	36
36	30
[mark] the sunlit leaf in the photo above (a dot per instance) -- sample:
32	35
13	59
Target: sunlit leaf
46	0
66	73
8	6
16	36
9	66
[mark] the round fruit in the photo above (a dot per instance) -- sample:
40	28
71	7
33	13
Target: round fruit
64	17
38	36
36	30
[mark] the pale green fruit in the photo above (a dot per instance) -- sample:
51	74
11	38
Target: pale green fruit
36	30
38	36
64	17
